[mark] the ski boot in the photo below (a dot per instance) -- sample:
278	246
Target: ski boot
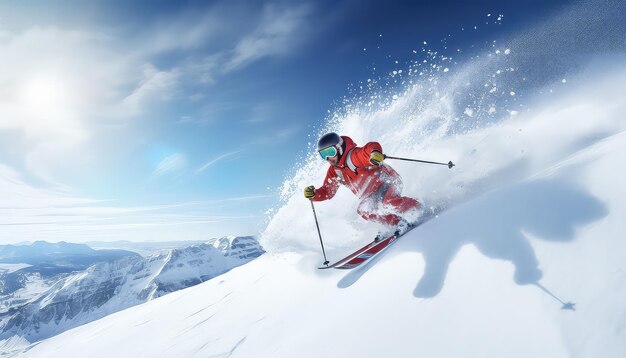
383	234
402	227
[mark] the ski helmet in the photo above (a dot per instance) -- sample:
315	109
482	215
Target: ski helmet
330	140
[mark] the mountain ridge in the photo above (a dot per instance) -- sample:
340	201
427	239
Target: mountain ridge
115	285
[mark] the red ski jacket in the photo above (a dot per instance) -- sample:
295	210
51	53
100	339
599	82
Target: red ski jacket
355	171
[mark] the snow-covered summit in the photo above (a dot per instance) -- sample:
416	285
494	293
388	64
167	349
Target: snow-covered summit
242	247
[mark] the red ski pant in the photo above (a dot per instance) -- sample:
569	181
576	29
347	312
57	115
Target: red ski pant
386	205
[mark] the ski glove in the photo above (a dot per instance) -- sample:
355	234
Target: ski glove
309	192
376	158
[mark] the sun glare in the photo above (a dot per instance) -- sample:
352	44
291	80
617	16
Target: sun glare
49	105
44	96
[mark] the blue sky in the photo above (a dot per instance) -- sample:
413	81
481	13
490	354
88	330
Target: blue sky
166	120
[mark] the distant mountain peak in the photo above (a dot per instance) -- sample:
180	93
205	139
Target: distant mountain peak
242	247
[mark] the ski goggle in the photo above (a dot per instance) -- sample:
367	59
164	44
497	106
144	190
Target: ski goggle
328	152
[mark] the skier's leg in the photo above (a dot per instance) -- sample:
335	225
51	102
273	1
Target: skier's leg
369	209
388	219
400	204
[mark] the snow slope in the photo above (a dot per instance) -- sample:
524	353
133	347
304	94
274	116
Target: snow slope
528	261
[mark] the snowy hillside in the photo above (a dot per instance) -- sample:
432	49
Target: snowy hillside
113	286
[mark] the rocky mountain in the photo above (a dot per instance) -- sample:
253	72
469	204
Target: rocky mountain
108	287
26	271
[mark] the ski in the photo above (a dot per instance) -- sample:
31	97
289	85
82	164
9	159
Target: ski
373	248
360	254
363	254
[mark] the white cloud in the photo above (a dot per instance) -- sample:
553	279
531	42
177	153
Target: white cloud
215	160
243	198
59	87
17	195
279	136
53	84
262	112
56	82
189	29
203	70
279	31
31	213
41	91
171	164
228	41
155	86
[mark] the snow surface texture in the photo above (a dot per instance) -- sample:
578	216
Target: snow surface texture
528	260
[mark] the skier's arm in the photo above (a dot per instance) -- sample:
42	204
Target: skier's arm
361	156
329	188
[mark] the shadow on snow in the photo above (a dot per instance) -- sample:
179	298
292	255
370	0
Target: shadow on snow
496	224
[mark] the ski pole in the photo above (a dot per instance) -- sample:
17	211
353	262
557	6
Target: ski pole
319	233
449	164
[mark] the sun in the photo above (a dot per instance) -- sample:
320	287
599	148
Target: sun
48	107
44	96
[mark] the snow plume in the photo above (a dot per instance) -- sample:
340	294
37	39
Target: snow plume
502	115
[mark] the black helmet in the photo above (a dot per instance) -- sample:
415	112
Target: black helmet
329	140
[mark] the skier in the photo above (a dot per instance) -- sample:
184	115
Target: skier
362	170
